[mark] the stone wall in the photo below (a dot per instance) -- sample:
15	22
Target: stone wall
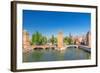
60	40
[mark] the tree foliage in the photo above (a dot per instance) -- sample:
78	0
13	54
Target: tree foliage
38	39
53	39
68	41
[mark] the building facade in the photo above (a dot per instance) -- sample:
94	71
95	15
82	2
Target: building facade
26	41
88	39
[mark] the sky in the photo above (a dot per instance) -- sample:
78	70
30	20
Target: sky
51	22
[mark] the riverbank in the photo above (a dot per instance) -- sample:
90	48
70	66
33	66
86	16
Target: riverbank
85	48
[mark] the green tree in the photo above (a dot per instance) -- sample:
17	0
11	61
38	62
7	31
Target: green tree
38	39
44	40
68	41
53	39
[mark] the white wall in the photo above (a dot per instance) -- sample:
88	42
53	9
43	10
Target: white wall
5	37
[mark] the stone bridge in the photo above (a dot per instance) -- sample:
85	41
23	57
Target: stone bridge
43	46
71	46
86	48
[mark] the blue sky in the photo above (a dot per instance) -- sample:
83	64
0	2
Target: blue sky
50	22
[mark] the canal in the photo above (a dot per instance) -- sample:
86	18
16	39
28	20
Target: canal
55	55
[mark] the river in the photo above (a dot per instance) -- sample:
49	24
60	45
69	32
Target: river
55	55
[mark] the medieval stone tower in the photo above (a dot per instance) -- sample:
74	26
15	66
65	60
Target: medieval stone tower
60	40
26	41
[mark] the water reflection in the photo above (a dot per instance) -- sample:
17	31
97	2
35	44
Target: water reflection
55	55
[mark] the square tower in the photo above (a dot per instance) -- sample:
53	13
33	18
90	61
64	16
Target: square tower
60	40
